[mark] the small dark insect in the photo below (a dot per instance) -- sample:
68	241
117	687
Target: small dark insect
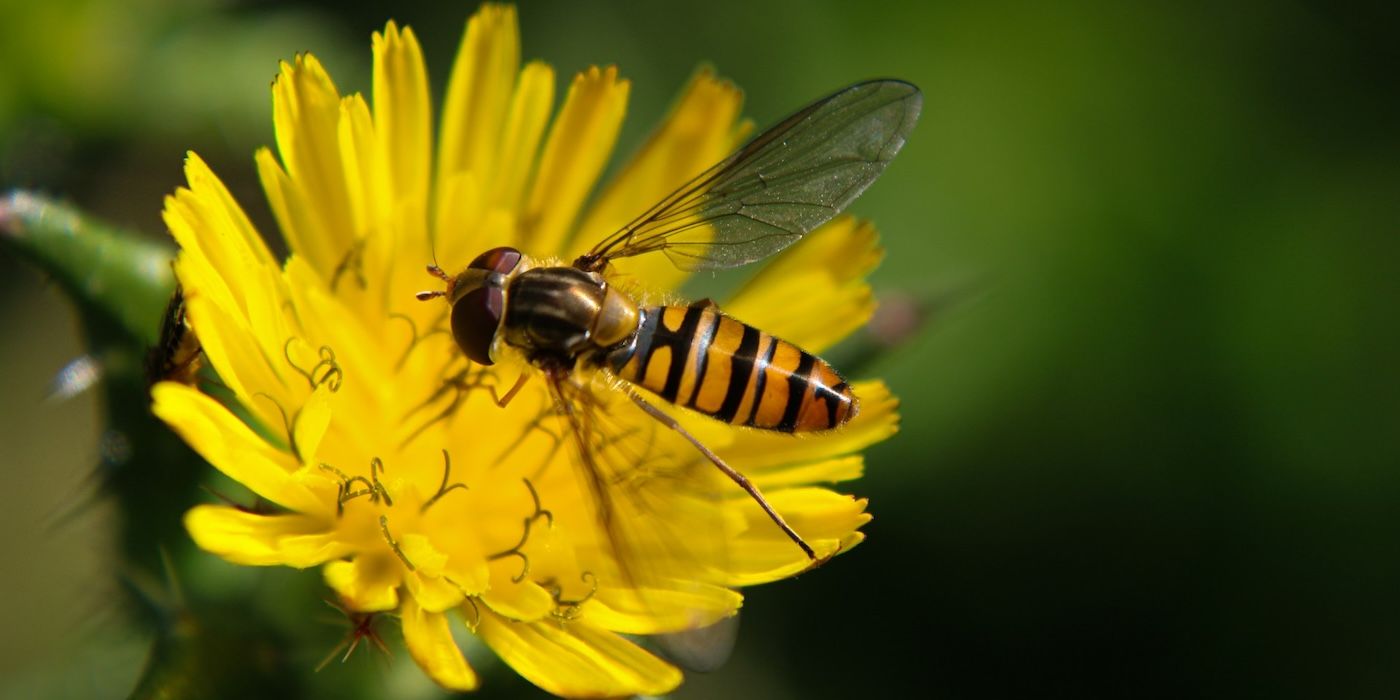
177	355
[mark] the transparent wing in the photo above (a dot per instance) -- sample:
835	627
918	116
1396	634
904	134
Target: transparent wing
703	649
657	543
783	184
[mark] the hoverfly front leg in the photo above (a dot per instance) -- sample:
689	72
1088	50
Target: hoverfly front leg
504	400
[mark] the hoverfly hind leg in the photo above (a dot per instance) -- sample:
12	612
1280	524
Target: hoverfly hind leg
735	475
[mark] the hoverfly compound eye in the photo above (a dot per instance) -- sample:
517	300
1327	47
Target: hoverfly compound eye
479	301
475	318
500	260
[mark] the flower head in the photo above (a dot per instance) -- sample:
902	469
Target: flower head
384	458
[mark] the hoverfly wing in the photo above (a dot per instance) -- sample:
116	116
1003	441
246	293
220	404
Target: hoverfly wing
656	541
701	649
784	183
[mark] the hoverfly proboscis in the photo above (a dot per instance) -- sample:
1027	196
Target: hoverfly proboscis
569	321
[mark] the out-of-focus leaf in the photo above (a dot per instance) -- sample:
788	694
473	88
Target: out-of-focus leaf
121	283
116	273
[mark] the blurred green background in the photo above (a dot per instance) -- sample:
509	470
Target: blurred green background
1150	421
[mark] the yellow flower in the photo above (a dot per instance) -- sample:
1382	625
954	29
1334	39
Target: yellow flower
389	465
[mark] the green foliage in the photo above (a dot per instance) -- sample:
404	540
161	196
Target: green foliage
115	275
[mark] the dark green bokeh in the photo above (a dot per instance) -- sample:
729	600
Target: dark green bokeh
1149	446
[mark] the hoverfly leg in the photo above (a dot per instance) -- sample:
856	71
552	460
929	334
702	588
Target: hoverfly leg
729	471
504	400
425	296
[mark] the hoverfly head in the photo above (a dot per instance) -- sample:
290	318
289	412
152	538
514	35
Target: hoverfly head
478	299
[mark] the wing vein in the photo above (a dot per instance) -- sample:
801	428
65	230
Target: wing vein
775	189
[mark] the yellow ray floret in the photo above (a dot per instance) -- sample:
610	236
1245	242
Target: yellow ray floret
430	642
701	128
574	154
479	94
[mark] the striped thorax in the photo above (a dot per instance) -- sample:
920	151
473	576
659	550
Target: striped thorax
556	316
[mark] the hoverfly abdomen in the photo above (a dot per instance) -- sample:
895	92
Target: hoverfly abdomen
701	359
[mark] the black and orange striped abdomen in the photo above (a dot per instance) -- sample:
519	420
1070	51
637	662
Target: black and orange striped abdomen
696	357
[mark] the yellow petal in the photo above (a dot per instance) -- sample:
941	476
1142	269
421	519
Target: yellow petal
479	93
402	121
312	421
457	235
575	659
232	447
477	210
223	210
429	641
472	576
435	594
426	558
828	471
370	583
263	540
366	178
577	149
330	323
765	454
814	293
525	600
306	109
698	132
426	583
659	612
529	114
300	223
826	520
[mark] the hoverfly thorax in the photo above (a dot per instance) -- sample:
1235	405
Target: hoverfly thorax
560	315
556	316
478	299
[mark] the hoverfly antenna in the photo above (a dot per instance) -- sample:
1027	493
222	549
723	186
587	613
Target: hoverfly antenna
437	272
432	249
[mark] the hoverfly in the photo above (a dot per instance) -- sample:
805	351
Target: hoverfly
568	320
